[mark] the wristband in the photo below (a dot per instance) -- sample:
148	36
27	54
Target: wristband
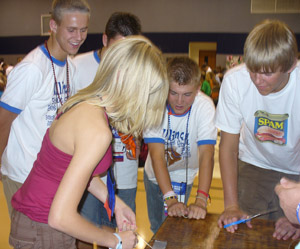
171	197
297	212
119	245
168	194
205	194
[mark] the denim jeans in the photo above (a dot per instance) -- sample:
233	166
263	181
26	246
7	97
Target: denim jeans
93	210
155	203
128	196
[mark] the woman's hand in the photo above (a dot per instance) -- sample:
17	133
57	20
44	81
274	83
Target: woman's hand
124	215
129	239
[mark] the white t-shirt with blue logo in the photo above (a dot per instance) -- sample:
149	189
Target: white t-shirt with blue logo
201	131
31	93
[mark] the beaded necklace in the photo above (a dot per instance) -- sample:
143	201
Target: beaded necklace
55	81
184	148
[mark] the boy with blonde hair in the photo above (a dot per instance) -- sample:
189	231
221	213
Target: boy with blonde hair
36	89
258	115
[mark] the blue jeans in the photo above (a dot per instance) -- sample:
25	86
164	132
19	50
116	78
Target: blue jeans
155	203
128	196
93	210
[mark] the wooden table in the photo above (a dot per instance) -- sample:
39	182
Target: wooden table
186	233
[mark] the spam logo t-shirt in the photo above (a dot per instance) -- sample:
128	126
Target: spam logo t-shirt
271	127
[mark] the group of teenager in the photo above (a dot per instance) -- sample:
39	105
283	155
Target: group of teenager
71	132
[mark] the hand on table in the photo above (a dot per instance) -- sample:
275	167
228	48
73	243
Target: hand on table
230	215
197	210
285	229
176	208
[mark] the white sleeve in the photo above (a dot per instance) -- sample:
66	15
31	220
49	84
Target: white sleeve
205	121
228	115
23	82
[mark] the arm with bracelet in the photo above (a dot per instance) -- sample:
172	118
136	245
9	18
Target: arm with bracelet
198	209
157	152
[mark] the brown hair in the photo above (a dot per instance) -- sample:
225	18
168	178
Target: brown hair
183	71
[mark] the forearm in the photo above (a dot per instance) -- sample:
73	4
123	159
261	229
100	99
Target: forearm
206	164
229	174
159	165
78	227
228	158
98	189
162	177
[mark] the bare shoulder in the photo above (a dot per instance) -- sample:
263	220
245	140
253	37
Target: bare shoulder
91	122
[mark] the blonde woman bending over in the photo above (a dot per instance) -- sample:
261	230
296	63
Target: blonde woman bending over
129	92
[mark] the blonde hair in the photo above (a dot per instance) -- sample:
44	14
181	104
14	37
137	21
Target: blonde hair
270	46
131	83
61	6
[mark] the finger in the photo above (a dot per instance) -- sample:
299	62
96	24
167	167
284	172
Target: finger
232	228
124	227
280	232
289	234
248	223
296	235
220	221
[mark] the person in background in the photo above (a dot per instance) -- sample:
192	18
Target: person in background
258	115
206	68
215	87
205	86
119	26
77	148
36	89
181	148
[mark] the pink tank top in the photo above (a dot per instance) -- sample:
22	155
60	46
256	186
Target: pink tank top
35	197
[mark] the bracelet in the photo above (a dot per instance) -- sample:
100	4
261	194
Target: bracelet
202	198
205	194
297	212
171	197
168	194
119	245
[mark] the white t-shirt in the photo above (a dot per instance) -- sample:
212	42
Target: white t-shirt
201	130
86	66
268	125
32	94
125	170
